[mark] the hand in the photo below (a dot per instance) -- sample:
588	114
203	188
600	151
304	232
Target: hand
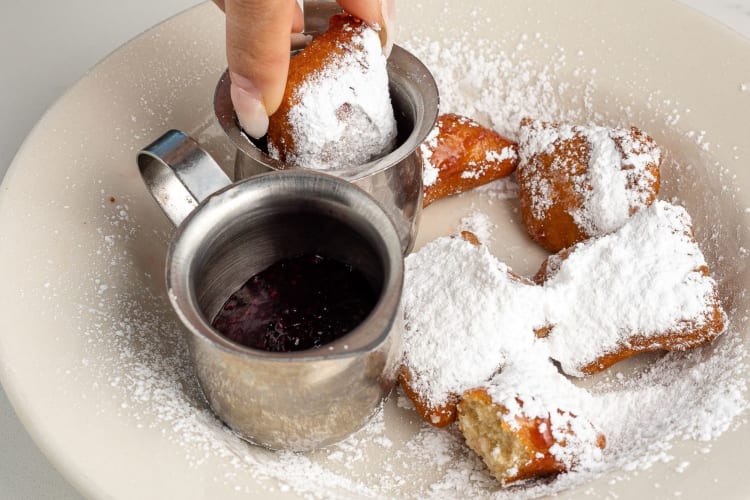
258	44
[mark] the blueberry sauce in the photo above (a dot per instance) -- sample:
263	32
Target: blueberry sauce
296	304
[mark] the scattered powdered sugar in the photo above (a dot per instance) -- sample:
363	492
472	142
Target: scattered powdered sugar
506	153
342	116
478	223
501	189
476	171
498	88
134	346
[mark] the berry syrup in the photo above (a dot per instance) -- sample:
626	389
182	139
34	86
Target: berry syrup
296	304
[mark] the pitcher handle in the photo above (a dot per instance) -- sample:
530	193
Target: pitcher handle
179	173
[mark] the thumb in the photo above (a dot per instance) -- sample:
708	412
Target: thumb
377	13
258	55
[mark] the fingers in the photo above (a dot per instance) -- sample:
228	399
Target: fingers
298	22
258	45
376	13
258	56
367	10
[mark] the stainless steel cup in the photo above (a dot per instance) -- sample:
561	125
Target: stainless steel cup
395	180
227	233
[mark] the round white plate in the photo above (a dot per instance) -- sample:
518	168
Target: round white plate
92	358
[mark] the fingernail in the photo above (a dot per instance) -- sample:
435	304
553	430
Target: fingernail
388	15
248	104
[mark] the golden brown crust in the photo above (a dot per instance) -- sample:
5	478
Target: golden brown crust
323	49
562	169
442	415
558	229
466	155
689	335
470	237
439	416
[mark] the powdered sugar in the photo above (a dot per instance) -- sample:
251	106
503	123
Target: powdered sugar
479	224
429	172
342	116
497	87
643	280
501	189
444	311
475	171
475	282
505	154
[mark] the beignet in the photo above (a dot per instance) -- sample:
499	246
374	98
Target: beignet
460	154
577	182
336	111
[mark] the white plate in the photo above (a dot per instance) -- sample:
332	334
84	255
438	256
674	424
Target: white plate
90	354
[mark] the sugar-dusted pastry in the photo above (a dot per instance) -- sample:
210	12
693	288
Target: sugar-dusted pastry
527	438
460	154
480	341
576	182
645	287
336	111
471	353
465	313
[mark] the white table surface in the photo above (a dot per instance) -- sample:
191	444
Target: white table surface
44	48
